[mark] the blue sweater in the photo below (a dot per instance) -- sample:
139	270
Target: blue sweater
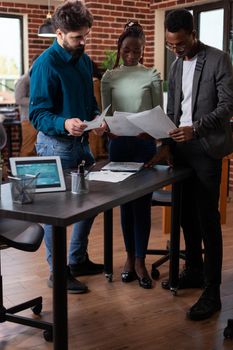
60	89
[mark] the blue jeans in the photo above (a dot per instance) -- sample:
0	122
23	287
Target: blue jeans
71	151
135	215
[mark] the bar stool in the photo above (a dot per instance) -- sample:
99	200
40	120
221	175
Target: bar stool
162	198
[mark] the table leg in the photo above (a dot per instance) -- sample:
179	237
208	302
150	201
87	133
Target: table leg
60	336
108	244
175	237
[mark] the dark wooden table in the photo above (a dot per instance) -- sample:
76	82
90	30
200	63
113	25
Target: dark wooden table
64	208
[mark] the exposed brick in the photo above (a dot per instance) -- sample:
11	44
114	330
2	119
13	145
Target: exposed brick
129	3
20	5
109	7
95	5
116	1
98	18
33	6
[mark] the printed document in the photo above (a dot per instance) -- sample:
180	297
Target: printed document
154	122
108	176
119	125
95	123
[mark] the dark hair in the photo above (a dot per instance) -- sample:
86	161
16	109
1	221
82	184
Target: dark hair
179	19
71	16
132	29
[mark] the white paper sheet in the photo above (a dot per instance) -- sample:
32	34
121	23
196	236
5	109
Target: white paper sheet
95	123
119	125
108	176
154	122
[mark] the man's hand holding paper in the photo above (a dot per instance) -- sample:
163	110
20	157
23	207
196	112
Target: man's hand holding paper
75	126
154	122
97	122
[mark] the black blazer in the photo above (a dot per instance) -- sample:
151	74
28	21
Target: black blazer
212	99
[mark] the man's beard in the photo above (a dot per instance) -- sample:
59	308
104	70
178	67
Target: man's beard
75	52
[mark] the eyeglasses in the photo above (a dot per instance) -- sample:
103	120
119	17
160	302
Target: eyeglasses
178	48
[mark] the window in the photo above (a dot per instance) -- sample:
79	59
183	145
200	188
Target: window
11	55
211	28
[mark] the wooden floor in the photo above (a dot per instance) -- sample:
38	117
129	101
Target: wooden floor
117	316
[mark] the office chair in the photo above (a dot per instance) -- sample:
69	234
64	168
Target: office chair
161	198
27	237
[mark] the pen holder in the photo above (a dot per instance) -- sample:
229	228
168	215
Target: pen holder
23	189
79	183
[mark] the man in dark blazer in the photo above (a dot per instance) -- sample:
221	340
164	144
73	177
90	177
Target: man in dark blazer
200	103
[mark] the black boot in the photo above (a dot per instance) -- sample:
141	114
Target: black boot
208	303
188	278
87	267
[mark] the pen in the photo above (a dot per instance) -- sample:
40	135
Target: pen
89	169
14	177
81	167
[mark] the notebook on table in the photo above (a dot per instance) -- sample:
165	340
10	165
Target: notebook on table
123	166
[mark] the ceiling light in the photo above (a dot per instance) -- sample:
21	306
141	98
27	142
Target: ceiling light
47	30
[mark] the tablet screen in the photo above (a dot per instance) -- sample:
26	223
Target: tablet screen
50	175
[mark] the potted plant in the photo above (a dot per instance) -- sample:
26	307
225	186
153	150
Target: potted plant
109	60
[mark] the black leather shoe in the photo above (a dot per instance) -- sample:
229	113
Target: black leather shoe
188	278
145	282
73	286
86	268
207	305
128	276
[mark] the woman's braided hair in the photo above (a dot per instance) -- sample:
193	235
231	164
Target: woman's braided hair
134	30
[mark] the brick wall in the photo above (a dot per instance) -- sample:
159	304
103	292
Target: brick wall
109	19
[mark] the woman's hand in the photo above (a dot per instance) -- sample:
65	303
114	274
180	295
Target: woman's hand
101	130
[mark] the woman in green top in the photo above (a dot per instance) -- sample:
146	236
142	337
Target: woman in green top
132	87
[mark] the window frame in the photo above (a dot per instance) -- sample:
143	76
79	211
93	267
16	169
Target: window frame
213	6
21	27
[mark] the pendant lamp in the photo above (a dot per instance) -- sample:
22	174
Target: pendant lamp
47	30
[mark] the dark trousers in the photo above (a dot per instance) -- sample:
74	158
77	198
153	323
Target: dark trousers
200	218
135	215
